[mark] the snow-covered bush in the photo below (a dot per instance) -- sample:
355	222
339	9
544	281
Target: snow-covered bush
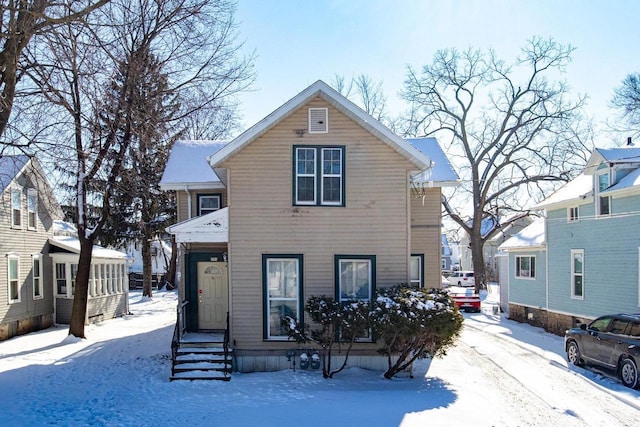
413	324
335	323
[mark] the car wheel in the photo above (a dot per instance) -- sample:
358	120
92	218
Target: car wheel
629	373
573	353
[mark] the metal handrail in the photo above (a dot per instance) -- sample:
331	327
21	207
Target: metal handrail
179	329
225	343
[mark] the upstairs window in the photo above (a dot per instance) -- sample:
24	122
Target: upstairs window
573	214
16	208
32	208
319	176
603	202
208	203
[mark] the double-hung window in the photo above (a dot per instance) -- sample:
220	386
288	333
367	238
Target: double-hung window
355	279
282	289
16	207
13	273
208	203
61	278
525	267
319	176
573	214
36	272
415	270
603	202
32	208
577	273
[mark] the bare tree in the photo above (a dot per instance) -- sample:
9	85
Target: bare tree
627	100
21	20
93	71
511	130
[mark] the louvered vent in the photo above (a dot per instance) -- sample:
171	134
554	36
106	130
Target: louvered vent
318	120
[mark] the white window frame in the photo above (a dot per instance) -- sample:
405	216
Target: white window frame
573	214
598	189
32	209
313	176
574	274
324	175
36	275
202	197
13	258
413	280
16	208
58	268
531	272
278	283
343	261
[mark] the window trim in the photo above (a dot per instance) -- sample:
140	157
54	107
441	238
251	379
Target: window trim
31	192
532	267
12	257
299	258
575	252
18	192
37	258
201	197
372	282
420	257
598	190
319	175
573	214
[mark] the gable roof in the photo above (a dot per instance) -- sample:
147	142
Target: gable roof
10	168
579	188
617	155
440	170
342	104
532	236
187	166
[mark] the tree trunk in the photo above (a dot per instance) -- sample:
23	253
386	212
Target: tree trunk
147	273
81	294
477	259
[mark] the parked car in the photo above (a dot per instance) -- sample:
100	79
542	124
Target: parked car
465	299
612	341
462	278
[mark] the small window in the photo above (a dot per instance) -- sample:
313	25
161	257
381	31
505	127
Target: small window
32	209
577	273
61	278
318	176
208	203
573	214
13	273
603	203
415	270
526	267
282	283
36	272
16	208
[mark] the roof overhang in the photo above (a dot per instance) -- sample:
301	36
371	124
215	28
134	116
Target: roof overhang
209	228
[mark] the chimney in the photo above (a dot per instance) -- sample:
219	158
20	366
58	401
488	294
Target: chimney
629	143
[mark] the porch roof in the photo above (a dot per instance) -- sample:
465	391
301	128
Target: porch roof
210	228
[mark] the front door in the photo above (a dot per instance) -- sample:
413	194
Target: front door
213	295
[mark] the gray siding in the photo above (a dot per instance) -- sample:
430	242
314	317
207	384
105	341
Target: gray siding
529	292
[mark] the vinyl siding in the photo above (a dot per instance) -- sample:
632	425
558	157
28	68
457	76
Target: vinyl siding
528	292
426	236
182	201
610	258
262	219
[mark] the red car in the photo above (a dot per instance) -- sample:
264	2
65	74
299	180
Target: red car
465	299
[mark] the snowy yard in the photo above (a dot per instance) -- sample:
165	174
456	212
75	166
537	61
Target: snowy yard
501	373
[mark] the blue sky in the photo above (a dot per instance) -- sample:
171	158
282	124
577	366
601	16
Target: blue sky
298	42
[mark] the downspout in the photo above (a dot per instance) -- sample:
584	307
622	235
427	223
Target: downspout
186	189
546	254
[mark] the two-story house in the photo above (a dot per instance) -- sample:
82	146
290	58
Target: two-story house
27	213
591	265
318	198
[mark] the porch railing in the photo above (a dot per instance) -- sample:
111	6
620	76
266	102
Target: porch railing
178	331
225	343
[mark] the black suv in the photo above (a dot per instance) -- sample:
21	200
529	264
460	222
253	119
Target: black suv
611	341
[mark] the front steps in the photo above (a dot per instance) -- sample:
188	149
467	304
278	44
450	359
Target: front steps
201	356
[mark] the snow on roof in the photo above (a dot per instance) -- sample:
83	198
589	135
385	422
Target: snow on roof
64	228
337	100
72	244
532	235
578	188
627	154
440	171
630	181
10	167
187	164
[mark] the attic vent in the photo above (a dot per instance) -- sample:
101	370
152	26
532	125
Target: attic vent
318	120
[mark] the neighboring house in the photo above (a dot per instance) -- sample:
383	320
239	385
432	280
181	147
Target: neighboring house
490	249
108	283
160	259
315	199
27	212
446	254
592	246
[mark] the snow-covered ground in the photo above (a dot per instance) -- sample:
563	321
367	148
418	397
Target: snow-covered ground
501	373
